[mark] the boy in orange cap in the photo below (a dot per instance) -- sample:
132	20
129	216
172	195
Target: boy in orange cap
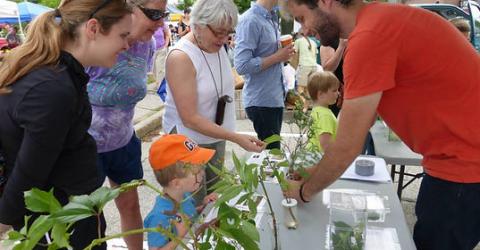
178	164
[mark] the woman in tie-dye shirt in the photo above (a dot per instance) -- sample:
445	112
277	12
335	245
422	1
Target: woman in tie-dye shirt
113	94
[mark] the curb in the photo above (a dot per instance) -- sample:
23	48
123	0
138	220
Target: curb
149	124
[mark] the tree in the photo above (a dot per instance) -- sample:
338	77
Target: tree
49	3
185	4
242	5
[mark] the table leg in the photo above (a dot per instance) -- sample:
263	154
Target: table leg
392	172
400	181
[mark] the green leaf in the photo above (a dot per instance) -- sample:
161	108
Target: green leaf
243	239
252	207
205	246
24	229
283	164
60	235
219	184
215	170
37	230
273	138
243	198
224	233
81	201
102	196
251	231
14	235
249	177
40	201
222	245
72	215
53	246
229	194
276	151
255	179
238	167
281	179
20	246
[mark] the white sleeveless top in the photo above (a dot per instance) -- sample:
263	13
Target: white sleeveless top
206	94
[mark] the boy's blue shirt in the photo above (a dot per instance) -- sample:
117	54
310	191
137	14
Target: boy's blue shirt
157	218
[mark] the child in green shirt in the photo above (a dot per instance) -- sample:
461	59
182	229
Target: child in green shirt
323	89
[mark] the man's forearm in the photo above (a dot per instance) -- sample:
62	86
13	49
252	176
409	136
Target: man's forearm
330	168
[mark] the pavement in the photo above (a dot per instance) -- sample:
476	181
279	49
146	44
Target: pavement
147	123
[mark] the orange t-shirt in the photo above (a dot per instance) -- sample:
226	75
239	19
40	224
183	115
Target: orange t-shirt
430	78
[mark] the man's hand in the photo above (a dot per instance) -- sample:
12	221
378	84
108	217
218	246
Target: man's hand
284	54
293	190
342	44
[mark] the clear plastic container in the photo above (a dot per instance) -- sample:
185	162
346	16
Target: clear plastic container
348	221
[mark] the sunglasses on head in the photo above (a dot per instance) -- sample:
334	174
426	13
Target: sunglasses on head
153	14
101	6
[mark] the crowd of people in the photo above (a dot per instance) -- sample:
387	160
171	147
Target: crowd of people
68	93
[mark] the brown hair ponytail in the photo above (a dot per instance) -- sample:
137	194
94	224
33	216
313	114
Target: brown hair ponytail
42	47
47	34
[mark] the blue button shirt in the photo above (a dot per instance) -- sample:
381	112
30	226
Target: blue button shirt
157	218
257	36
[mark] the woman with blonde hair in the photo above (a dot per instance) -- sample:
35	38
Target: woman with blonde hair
114	92
45	111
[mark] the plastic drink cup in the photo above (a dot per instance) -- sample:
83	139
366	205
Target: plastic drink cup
286	40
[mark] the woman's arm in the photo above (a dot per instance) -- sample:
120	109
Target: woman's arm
183	86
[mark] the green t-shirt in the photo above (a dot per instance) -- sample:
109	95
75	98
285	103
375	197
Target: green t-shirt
323	121
307	57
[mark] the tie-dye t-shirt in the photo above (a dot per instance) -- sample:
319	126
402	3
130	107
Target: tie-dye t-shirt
114	93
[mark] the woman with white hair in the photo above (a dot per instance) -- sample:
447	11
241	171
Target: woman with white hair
200	88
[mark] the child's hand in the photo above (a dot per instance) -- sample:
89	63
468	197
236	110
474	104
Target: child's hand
210	198
181	225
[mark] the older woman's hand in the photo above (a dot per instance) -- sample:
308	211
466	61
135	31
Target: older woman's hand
249	143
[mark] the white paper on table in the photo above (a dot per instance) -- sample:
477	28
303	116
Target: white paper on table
380	173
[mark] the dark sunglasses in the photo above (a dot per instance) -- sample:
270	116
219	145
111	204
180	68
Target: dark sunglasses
153	14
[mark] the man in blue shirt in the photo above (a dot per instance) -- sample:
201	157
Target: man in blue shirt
259	58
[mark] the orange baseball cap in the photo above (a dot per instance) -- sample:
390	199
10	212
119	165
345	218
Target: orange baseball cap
170	149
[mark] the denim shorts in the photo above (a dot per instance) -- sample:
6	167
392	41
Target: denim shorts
124	164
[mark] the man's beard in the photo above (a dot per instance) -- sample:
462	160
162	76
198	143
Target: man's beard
327	28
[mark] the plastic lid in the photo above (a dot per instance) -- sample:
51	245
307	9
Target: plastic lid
289	202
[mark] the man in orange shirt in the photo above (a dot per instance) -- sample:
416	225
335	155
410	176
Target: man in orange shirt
423	78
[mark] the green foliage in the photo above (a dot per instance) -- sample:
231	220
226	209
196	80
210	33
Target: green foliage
347	237
185	4
48	3
242	5
231	229
55	219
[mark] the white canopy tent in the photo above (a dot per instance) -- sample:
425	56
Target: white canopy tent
9	9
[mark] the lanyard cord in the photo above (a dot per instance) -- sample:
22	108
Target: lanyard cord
211	72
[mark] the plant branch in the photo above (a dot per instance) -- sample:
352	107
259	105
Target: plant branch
272	213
